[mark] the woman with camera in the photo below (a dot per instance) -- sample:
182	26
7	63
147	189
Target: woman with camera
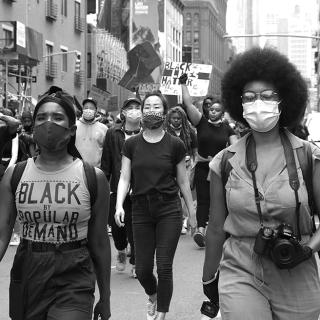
260	241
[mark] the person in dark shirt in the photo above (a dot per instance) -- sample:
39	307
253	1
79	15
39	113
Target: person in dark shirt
111	166
177	124
213	135
153	163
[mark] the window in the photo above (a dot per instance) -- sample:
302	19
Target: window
188	36
196	52
49	51
196	37
64	7
196	20
89	65
64	60
8	38
188	18
77	12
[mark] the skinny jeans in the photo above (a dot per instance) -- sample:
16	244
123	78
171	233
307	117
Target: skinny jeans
157	222
203	193
122	235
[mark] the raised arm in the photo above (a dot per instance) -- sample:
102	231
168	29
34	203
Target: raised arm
193	113
8	211
14	151
99	245
123	188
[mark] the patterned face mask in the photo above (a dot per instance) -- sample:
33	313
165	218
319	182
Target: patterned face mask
152	120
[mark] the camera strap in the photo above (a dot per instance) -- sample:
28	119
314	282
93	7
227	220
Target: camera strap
251	163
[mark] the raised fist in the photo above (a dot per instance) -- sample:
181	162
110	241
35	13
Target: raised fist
183	78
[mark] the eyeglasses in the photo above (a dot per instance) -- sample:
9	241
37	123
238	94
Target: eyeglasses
265	95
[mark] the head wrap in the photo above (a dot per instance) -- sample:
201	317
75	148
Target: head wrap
66	101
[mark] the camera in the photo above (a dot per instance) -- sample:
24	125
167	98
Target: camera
279	244
209	310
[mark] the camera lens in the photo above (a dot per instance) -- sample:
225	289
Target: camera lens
283	251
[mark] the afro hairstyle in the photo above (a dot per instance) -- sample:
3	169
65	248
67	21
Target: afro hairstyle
270	66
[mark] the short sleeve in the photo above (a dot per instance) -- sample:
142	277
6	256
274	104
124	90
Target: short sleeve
201	123
194	142
215	163
127	149
315	153
179	151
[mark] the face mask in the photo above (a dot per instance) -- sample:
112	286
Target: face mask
152	120
51	136
133	115
262	116
88	114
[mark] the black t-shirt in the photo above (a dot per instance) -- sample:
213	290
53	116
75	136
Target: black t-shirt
212	138
153	165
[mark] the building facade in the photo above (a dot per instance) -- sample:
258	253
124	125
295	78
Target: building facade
203	30
62	25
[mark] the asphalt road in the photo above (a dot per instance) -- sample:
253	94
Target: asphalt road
128	300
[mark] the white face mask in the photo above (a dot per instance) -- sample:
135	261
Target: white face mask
262	116
133	115
88	114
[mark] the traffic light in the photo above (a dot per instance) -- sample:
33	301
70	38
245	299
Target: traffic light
186	54
78	63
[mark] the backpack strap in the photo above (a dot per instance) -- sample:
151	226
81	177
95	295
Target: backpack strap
91	176
225	168
16	175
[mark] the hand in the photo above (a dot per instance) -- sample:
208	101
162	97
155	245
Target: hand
102	310
211	290
303	253
183	78
119	217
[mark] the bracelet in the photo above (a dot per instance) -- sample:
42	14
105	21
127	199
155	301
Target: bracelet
211	280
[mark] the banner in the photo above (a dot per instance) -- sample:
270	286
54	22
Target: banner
198	78
145	88
100	96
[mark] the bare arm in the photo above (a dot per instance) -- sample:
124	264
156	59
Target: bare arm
14	151
123	188
215	236
98	241
8	211
184	185
314	242
193	113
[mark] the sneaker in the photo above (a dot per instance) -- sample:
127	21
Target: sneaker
15	240
133	272
109	231
121	260
151	309
198	238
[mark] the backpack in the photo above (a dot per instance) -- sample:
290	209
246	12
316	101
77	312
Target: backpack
304	155
88	170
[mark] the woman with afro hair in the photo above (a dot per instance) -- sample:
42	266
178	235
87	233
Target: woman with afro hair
267	268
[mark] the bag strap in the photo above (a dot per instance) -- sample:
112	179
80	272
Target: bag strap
225	169
91	176
16	175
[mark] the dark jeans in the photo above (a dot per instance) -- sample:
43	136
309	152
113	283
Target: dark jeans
122	235
157	222
203	193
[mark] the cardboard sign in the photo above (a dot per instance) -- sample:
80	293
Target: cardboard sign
144	88
100	96
198	78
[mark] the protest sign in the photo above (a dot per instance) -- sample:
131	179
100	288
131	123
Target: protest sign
144	88
198	78
103	99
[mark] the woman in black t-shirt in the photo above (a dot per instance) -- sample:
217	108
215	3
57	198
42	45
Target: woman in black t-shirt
153	163
213	135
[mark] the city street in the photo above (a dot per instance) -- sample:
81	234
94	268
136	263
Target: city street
128	301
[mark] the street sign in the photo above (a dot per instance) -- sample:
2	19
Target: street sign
198	78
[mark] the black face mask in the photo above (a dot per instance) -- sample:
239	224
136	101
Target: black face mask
51	136
27	128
